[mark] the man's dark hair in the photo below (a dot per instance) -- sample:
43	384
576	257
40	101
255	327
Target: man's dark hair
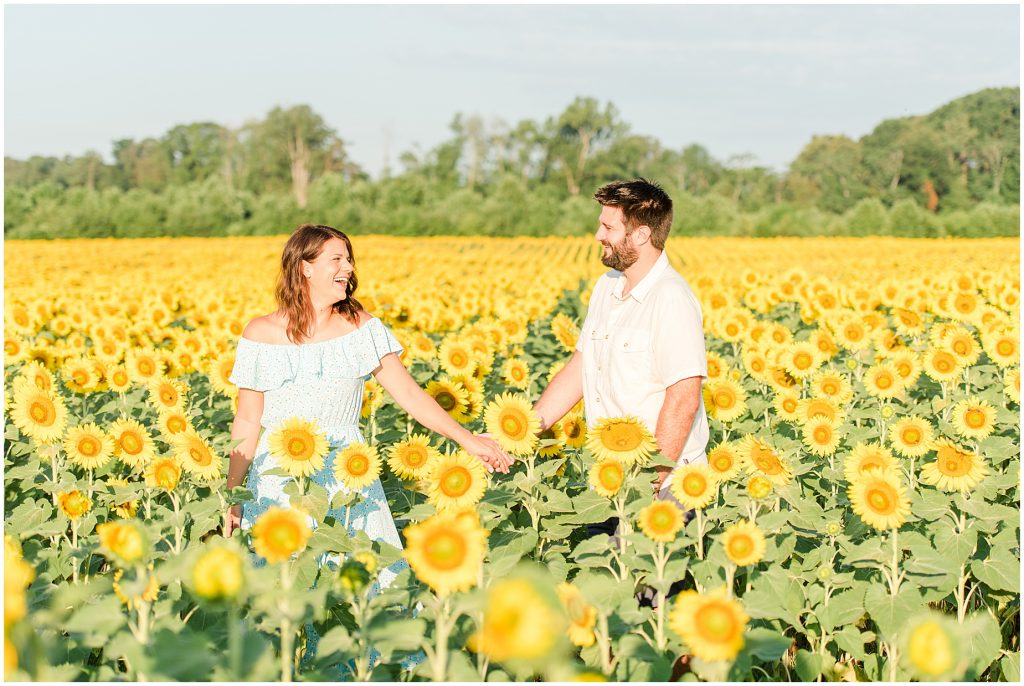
642	203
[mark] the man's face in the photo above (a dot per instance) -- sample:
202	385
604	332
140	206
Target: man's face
619	252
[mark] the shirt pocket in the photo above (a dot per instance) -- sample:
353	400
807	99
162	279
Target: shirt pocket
632	341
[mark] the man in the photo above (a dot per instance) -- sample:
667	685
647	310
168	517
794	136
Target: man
641	349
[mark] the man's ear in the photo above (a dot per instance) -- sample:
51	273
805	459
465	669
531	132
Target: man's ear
641	234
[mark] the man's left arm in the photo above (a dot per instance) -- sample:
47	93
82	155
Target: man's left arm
675	420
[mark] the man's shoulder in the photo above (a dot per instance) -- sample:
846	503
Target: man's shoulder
671	284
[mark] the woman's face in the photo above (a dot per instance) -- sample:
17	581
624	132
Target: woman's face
329	273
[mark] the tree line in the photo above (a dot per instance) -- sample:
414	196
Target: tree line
954	171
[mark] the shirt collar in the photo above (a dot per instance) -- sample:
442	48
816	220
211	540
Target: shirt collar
640	291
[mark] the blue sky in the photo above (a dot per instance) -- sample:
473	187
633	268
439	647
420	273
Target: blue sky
737	79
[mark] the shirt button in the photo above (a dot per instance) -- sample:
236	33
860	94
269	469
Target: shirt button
625	345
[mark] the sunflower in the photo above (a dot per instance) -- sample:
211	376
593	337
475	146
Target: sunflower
574	427
422	348
1011	384
279	533
820	436
832	385
516	373
931	648
880	499
74	504
163	472
519	622
693	485
566	332
755	363
474	399
357	465
88	447
801	359
907	322
941	365
37	375
124	542
853	335
582	617
865	456
373	398
974	418
824	343
908	366
452	397
624	439
911	436
1003	348
711	624
661	521
512	422
954	469
445	551
38	414
552	437
787	404
759	457
743	543
218	573
456	357
219	372
118	378
809	408
724	462
143	364
299	446
457	482
412	458
166	394
132	443
963	345
606	476
196	455
79	375
883	381
725	399
173	423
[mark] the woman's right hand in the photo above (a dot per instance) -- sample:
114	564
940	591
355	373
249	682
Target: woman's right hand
487	450
232	520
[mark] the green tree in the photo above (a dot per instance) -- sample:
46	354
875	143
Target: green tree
577	133
834	165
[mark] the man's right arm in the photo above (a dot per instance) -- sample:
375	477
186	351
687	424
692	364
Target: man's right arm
564	391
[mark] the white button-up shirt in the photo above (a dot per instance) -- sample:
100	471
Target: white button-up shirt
634	347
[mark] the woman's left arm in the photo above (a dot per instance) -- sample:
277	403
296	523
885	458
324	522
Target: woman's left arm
397	381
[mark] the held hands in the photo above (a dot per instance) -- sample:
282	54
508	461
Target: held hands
487	450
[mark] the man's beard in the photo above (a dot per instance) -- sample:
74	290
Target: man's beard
622	257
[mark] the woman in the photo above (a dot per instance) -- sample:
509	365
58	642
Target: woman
309	359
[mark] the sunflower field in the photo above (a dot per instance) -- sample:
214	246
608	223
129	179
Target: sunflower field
858	518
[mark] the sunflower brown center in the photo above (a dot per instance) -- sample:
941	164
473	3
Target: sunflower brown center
1005	348
414	457
740	545
694	484
621	437
89	446
358	465
715	623
881	500
42	413
445	550
446	400
610	476
724	398
911	436
802	361
131	444
513	425
822	434
974	418
200	456
456	481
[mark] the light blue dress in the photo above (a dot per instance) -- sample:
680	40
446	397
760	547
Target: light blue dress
320	381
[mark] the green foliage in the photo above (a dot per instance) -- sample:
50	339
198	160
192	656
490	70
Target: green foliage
955	171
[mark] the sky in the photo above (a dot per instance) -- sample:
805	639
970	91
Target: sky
756	80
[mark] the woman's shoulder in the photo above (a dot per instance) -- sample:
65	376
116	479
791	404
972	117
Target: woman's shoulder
270	328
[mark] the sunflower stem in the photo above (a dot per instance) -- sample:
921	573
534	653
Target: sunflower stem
894	579
442	628
604	644
700	533
482	660
287	636
177	526
660	561
730	578
234	641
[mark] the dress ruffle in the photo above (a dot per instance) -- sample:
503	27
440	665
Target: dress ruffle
268	366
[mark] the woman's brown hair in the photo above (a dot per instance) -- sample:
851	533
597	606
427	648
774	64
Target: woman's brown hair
292	291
